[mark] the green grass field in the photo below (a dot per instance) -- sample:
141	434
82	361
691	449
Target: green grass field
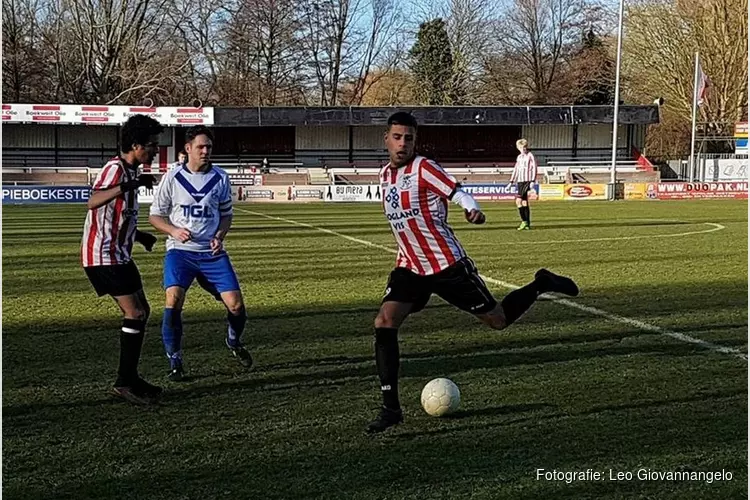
562	389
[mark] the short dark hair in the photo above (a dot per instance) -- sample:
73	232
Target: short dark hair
183	152
138	129
402	118
194	132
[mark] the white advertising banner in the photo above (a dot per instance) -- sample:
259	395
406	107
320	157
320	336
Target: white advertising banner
726	170
353	192
75	114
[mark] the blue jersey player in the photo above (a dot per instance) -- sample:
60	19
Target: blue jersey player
193	206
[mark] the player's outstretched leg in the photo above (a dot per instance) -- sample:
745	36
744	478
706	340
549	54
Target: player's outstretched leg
517	302
387	358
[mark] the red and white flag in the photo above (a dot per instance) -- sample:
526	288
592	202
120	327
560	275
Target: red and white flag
703	84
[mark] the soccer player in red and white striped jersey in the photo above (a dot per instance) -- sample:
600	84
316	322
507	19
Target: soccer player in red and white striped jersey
524	175
415	192
108	236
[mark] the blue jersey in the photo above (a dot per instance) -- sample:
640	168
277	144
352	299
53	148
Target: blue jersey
193	201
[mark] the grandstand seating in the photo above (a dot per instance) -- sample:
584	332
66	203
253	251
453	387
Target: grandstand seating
283	179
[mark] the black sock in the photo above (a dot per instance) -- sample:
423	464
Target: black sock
518	302
527	214
131	340
387	359
521	212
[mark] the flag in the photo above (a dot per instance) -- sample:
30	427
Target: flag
703	84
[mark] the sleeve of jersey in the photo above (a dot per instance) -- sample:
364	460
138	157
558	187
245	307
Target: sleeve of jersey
109	177
438	180
225	205
162	204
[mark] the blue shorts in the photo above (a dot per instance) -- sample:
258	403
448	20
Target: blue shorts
213	272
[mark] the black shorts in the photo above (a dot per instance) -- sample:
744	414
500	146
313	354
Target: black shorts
523	190
116	280
458	284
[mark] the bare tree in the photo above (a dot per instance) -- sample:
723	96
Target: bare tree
534	38
108	51
24	71
344	41
470	25
378	43
263	43
328	24
658	60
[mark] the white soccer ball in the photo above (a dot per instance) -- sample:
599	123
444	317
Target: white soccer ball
440	397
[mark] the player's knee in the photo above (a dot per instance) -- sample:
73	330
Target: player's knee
138	313
234	303
237	308
174	299
384	320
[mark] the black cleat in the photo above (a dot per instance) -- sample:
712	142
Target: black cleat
241	354
132	394
551	282
385	419
149	390
176	374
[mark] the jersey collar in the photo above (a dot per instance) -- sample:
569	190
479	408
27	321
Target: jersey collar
186	169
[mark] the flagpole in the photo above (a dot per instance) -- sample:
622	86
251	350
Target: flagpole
615	121
692	164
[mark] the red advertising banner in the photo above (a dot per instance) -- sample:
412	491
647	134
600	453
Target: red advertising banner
696	190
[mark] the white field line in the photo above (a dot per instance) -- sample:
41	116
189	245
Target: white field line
566	302
714	227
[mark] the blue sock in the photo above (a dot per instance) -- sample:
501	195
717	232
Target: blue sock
236	327
171	335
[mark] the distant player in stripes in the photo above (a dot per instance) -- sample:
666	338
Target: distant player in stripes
415	194
524	175
108	235
193	205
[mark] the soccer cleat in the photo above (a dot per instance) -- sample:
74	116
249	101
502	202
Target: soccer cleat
176	374
551	282
132	394
524	226
385	419
241	354
149	390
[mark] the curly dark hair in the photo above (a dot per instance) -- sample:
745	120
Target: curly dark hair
138	130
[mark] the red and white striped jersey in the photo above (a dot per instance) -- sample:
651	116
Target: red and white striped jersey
415	203
109	231
525	169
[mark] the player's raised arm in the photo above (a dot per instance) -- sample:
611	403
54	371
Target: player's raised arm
437	179
109	185
471	208
445	185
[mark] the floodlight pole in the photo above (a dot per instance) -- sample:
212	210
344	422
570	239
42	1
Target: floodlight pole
615	121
